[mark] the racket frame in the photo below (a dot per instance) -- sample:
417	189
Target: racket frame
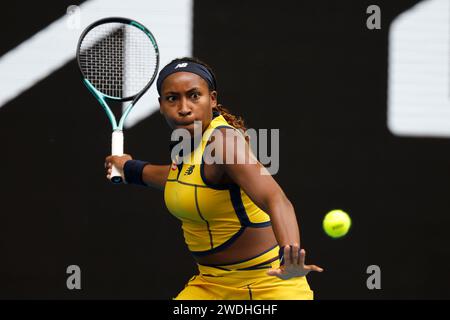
117	134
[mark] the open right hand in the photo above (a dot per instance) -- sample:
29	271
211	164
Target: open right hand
117	161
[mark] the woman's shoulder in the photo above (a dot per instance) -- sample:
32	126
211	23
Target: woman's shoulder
230	145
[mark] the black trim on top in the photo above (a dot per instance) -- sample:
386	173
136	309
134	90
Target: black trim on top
238	205
179	167
186	183
221	247
217	186
201	216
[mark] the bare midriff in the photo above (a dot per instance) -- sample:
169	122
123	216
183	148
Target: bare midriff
252	242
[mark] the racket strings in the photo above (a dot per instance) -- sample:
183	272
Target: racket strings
118	59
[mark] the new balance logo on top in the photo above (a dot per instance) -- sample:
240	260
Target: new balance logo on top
189	170
181	65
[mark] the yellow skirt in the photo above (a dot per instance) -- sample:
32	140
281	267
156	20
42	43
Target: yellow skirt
245	280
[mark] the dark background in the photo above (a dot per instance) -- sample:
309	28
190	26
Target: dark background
311	69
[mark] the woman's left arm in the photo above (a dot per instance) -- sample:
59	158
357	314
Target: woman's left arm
265	192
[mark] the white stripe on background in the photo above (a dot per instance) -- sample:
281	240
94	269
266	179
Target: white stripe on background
418	83
51	48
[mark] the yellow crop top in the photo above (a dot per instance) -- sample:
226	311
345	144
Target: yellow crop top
213	216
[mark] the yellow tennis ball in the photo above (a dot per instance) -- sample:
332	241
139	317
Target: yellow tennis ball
336	223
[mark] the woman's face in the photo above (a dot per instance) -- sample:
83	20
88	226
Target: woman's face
185	98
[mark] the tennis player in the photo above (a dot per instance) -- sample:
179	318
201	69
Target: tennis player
238	224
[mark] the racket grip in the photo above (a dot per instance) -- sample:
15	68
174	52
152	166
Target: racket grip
116	150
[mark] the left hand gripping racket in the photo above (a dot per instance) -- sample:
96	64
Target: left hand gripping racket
119	60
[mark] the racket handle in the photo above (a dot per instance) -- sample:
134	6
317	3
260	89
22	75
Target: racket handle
116	150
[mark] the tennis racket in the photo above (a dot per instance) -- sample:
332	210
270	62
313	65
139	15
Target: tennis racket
118	59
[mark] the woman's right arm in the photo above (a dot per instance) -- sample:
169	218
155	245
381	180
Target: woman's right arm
153	175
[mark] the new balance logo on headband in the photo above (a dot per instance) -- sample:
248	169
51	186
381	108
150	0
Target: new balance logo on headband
181	65
186	66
